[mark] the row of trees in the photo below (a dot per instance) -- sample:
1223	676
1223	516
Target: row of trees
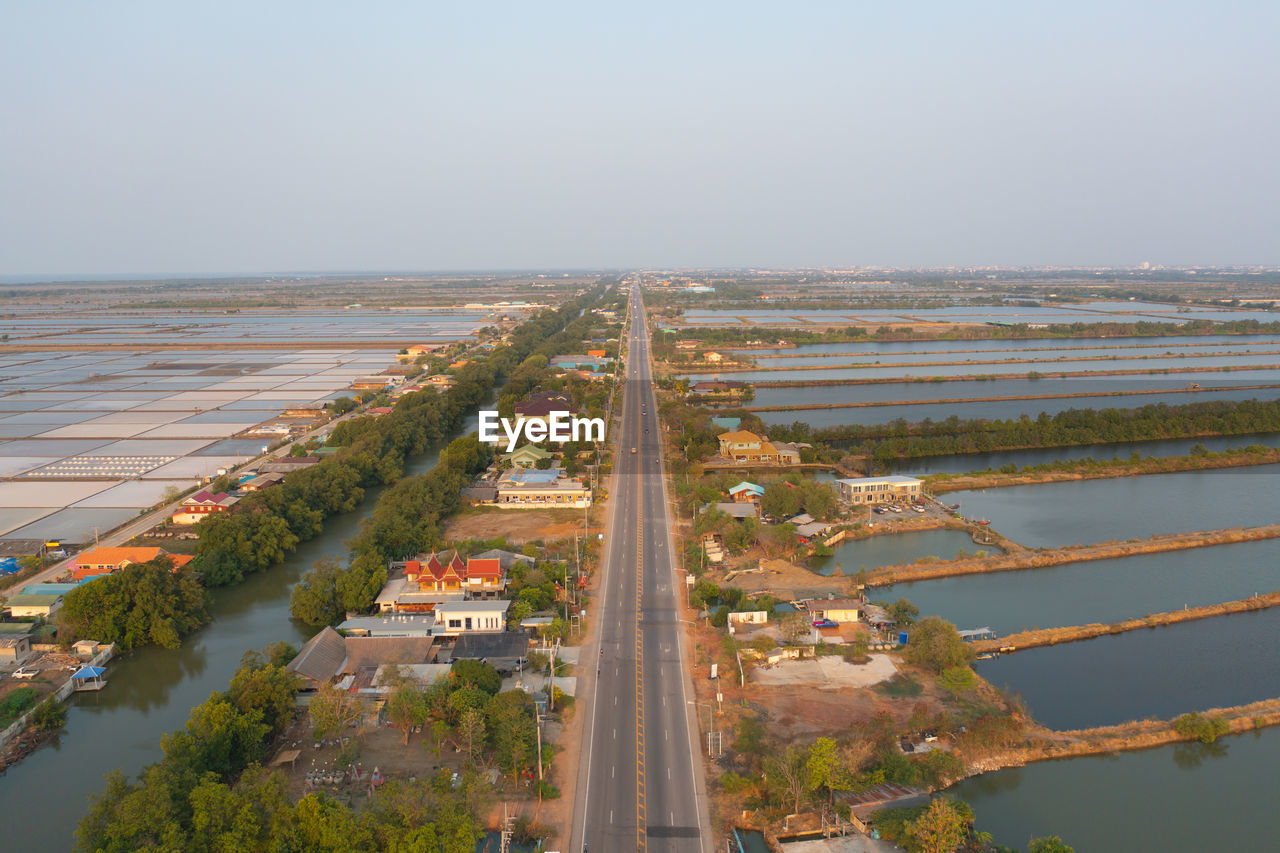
407	517
268	525
209	793
141	604
1074	427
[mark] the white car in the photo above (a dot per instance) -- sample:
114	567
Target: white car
23	672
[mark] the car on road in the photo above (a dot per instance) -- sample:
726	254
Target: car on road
633	450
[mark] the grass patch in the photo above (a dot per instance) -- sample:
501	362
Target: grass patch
900	687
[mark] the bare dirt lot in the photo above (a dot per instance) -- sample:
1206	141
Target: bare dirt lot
518	525
827	671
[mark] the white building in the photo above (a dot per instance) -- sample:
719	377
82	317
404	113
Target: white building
891	489
462	617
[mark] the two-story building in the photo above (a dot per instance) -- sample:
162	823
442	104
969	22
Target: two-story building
531	488
433	579
877	490
201	505
459	617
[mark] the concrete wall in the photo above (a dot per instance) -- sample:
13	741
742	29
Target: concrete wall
63	691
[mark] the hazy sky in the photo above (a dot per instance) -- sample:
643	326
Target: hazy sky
236	137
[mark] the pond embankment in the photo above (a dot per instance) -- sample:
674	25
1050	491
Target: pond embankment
862	404
968	377
859	365
1047	744
1020	560
1105	469
1072	633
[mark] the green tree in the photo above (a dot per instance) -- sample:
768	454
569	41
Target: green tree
316	599
941	829
903	612
780	499
936	645
1049	844
512	731
471	730
266	687
407	707
826	768
219	738
789	772
141	604
476	673
332	709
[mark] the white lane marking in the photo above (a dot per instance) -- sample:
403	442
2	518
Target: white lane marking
614	768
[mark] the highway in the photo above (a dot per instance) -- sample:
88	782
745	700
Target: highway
640	782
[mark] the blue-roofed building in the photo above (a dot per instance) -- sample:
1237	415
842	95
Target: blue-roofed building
727	423
49	588
746	492
532	476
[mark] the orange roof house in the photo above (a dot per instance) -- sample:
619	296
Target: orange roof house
104	561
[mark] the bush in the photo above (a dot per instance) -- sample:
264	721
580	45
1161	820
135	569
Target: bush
16	704
50	715
936	645
1198	726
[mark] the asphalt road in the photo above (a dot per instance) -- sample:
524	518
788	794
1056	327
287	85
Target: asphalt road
640	784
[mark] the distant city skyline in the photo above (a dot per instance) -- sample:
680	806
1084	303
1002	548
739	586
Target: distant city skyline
148	138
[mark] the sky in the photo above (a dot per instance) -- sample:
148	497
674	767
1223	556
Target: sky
161	137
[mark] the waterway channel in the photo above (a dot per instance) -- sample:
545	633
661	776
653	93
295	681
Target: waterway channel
151	691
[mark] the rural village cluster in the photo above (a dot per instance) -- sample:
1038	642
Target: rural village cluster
800	561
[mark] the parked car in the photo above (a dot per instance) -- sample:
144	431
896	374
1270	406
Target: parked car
825	623
23	672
